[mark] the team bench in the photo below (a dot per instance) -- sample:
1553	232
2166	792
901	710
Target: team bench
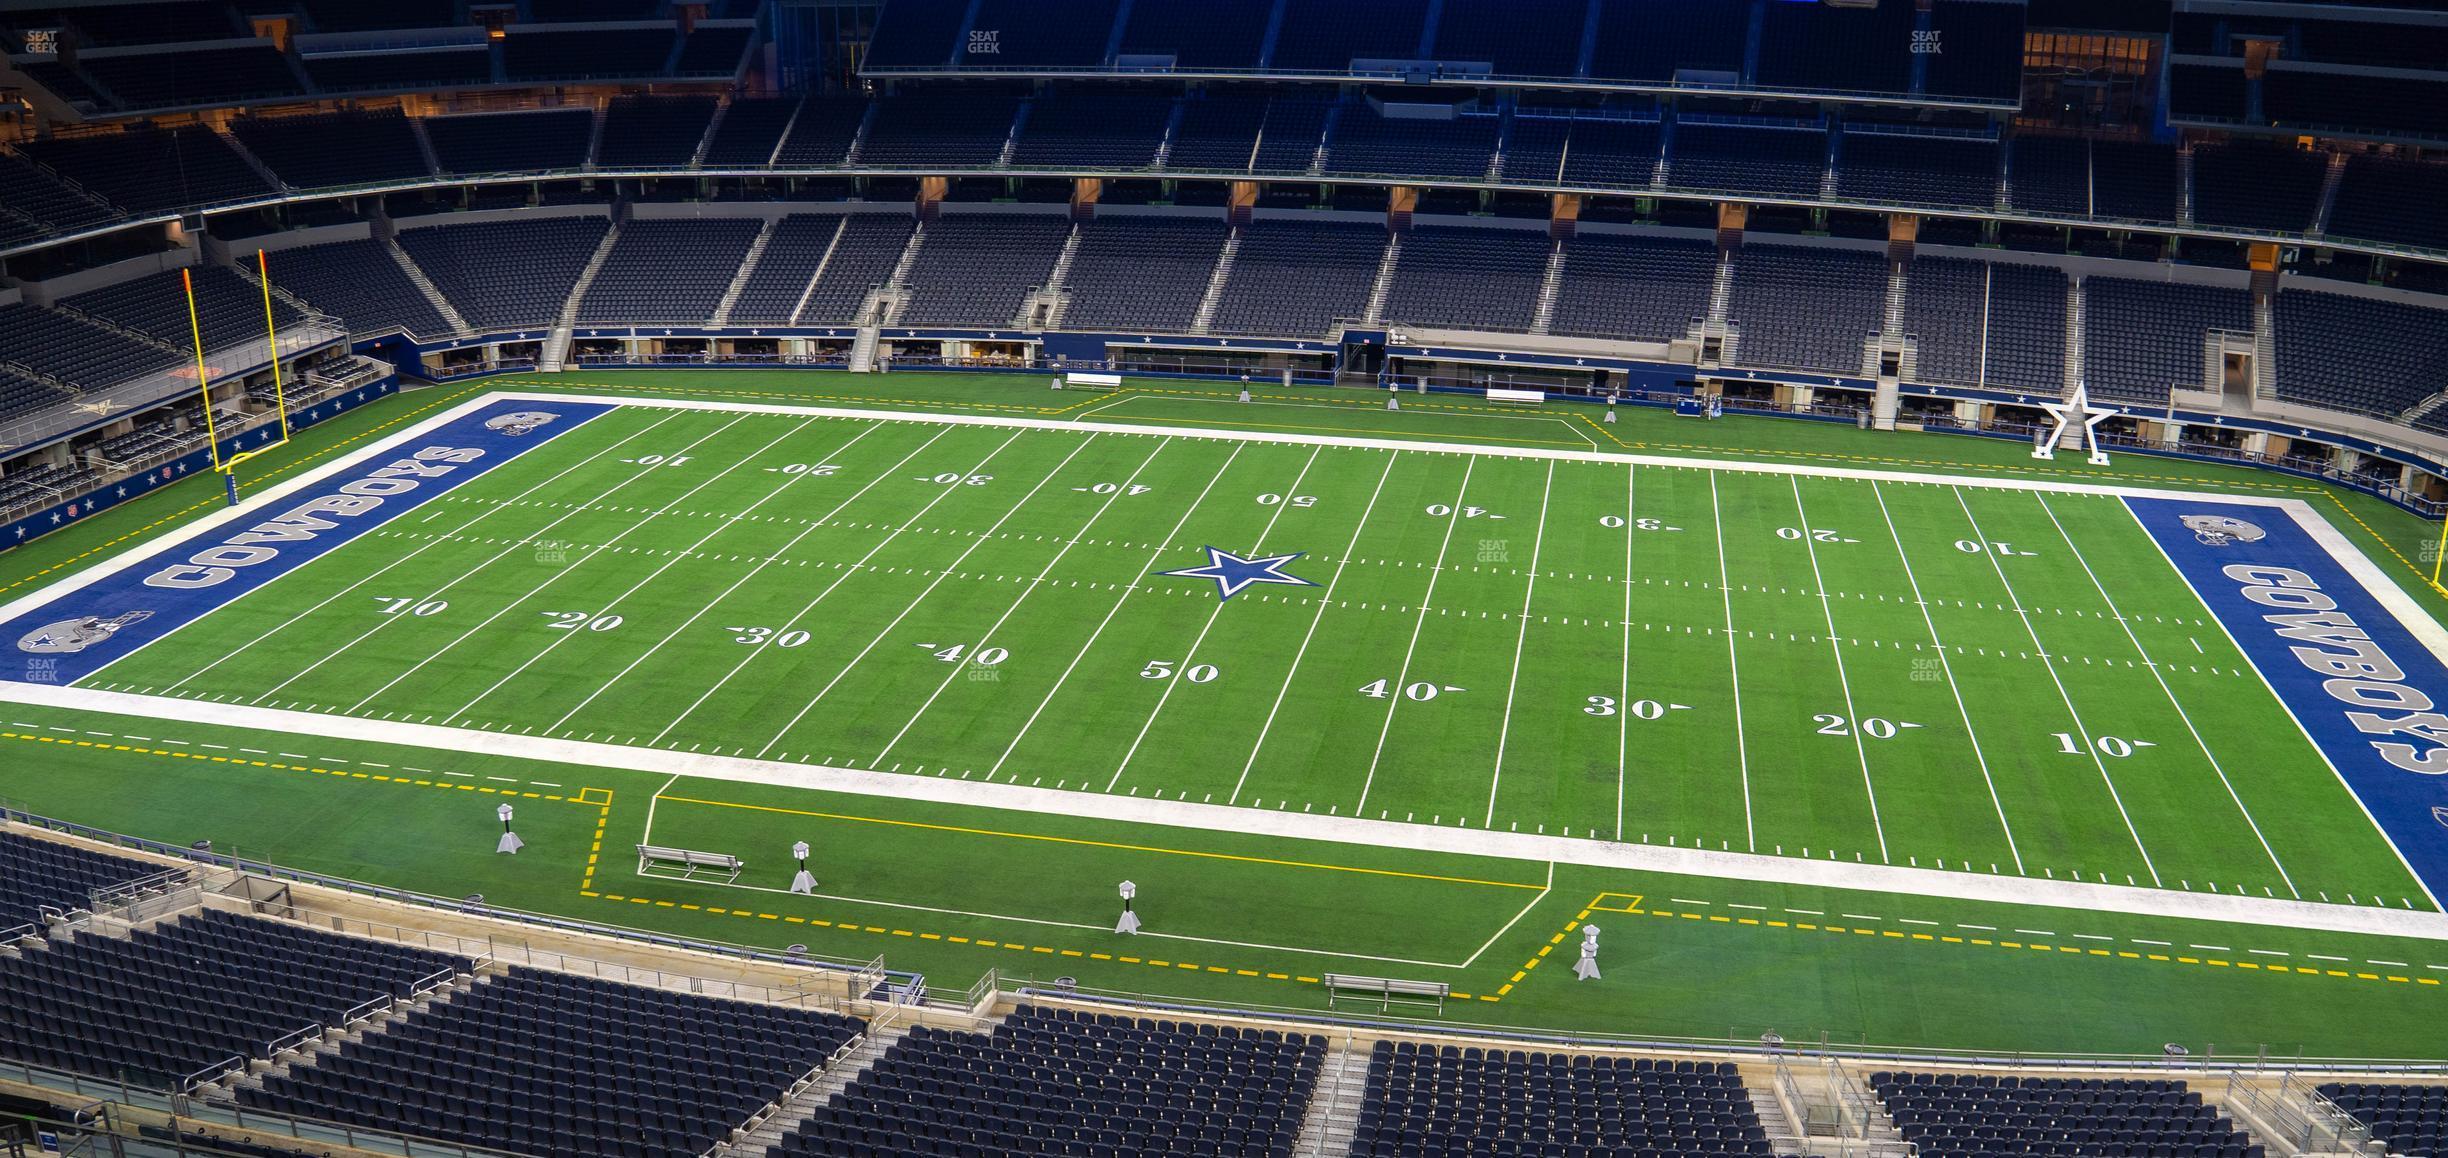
1385	991
656	860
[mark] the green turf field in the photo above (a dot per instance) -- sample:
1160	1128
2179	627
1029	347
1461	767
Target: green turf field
1958	677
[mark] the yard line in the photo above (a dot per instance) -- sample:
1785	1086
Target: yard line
495	509
1725	588
1127	591
634	588
2170	693
1190	658
970	656
1402	677
1535	898
497	557
838	580
753	572
983	538
1939	645
1623	693
1325	601
1827	608
2050	665
1521	638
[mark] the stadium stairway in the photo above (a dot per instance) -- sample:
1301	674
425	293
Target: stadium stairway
1384	287
1334	1108
1204	322
459	325
1551	287
747	269
2073	335
556	348
225	1088
828	1084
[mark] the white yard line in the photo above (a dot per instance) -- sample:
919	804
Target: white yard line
2050	665
1969	886
1402	679
1939	645
684	553
496	557
1853	720
1521	639
1508	925
983	538
564	573
1042	922
2170	693
1190	658
768	561
1725	589
1325	600
1623	693
838	580
444	537
986	640
2380	588
1131	589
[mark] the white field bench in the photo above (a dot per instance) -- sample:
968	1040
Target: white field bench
1504	397
1386	992
1101	381
656	860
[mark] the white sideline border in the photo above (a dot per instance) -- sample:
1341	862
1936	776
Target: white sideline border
2303	915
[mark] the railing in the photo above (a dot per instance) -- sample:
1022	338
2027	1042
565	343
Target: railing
211	1073
867	973
94	404
2206	1061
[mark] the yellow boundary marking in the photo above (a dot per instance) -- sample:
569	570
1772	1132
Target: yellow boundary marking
1104	844
283	766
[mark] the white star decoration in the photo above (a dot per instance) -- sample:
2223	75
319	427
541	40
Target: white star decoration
2065	414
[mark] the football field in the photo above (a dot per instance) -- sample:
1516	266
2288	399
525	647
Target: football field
1961	676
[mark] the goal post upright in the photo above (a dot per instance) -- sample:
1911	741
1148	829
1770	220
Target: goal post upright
195	329
280	395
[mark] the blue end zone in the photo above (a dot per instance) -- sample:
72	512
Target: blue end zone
71	637
2372	697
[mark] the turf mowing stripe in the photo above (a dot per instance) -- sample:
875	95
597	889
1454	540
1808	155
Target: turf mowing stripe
1742	746
2173	702
793	623
2090	745
808	529
1521	637
1325	601
1854	722
1948	668
471	573
385	569
604	608
1190	657
913	604
1402	682
1128	590
988	638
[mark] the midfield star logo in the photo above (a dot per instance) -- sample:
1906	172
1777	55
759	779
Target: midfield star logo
1232	572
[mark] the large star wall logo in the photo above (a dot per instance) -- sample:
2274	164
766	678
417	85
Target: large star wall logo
1233	573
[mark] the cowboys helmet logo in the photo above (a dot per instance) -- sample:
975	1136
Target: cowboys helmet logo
70	636
2221	531
520	423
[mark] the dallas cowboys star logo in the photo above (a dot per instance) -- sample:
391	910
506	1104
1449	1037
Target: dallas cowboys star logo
1232	572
